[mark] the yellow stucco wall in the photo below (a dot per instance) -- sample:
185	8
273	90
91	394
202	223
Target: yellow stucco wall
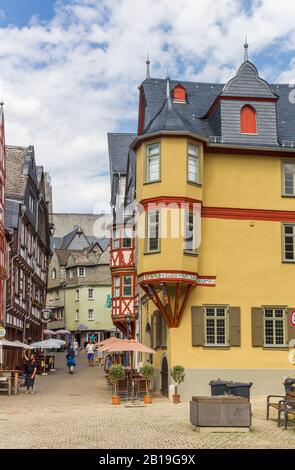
244	255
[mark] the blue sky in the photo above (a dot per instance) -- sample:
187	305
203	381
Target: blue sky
70	71
19	12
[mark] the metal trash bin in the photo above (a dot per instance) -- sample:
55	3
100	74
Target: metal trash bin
289	384
239	389
219	387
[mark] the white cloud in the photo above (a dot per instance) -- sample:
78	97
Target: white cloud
69	81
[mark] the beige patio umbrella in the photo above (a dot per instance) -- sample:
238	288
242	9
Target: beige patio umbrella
126	345
106	342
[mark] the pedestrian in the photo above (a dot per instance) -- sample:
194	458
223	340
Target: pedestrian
90	353
76	347
99	357
71	358
31	371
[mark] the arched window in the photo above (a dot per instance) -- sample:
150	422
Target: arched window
53	274
248	120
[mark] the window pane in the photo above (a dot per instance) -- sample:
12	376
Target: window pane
153	149
190	229
127	286
153	231
153	168
289	174
210	331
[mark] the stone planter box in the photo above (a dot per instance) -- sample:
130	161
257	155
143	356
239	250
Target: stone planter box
220	411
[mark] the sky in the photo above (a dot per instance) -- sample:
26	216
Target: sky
70	71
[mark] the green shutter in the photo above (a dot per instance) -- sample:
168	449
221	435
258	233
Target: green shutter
198	333
235	326
257	327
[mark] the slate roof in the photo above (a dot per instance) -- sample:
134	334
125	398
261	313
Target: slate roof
16	181
201	96
118	144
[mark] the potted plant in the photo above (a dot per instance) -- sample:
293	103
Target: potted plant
177	374
147	371
116	373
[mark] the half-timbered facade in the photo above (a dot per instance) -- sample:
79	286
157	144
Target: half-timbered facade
3	241
122	255
26	219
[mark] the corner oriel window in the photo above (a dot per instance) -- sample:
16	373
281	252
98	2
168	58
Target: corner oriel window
153	236
248	120
289	179
152	163
193	166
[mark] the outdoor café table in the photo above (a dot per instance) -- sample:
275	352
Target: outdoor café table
15	379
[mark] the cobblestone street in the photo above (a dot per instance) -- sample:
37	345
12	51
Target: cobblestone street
76	412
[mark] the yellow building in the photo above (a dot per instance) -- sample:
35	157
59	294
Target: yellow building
215	244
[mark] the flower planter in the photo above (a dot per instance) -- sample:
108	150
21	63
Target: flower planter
147	400
116	400
220	411
176	398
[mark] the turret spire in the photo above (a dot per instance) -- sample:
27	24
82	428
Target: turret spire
147	75
246	45
168	94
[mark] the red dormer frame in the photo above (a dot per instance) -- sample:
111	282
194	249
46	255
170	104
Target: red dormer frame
179	94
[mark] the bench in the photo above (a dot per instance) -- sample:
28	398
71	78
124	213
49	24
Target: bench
285	405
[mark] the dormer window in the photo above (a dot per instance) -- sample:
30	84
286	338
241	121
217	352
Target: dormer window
179	94
248	120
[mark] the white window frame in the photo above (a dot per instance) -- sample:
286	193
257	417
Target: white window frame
117	286
71	273
153	159
273	319
90	318
77	317
284	236
127	285
90	297
187	230
127	235
116	239
77	294
149	227
193	160
78	271
284	174
215	317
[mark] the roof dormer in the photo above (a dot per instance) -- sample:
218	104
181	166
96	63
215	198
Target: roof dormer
179	94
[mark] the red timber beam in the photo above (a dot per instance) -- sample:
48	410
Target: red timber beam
172	316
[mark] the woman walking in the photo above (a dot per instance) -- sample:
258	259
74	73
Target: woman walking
90	353
31	371
71	358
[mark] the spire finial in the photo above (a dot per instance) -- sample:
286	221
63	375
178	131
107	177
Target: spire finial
147	75
168	94
246	45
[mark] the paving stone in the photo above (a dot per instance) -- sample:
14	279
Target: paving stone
75	411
